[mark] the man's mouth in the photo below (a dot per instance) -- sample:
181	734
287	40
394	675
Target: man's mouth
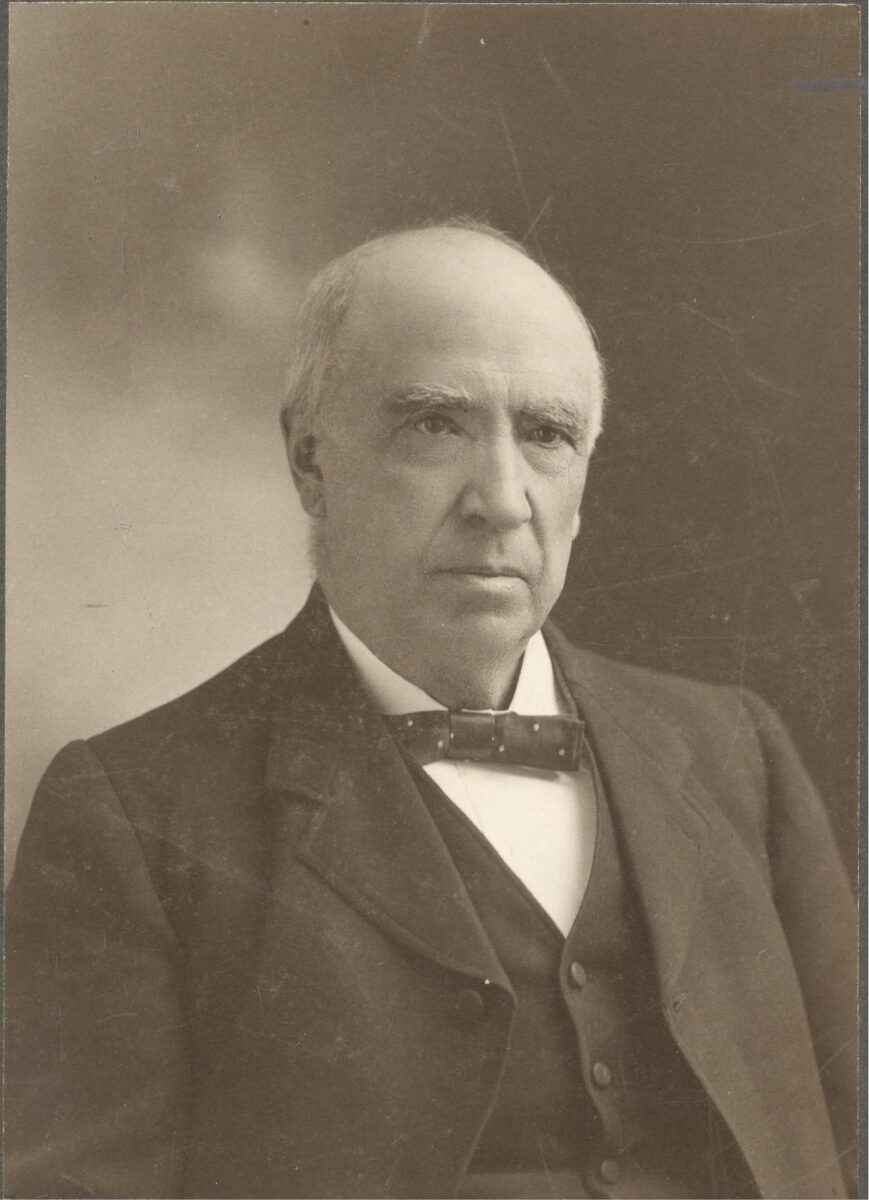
486	570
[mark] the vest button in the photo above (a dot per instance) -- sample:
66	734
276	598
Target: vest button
602	1076
610	1170
578	976
470	1009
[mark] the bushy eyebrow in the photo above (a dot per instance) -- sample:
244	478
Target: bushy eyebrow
552	411
414	399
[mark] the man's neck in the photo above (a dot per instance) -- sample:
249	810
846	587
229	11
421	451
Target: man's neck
464	678
474	685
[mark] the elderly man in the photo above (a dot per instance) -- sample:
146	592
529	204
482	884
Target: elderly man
417	899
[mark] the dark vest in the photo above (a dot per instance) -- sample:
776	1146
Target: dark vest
596	1098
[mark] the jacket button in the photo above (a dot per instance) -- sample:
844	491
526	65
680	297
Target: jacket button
578	976
470	1009
610	1170
602	1076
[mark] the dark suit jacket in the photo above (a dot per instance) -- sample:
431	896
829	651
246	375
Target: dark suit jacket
236	941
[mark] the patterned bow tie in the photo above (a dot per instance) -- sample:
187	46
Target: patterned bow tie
547	743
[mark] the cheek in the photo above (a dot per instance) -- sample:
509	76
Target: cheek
560	522
562	507
388	517
409	502
354	488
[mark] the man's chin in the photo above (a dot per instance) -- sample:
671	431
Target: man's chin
498	614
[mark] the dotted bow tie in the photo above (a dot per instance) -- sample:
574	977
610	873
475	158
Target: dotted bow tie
547	743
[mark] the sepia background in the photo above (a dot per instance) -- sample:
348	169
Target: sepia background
177	172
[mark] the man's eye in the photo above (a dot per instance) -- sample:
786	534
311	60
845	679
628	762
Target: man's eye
547	435
433	423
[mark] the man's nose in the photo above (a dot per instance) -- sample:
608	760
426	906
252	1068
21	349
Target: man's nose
497	487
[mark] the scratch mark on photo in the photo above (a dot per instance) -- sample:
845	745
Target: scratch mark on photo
554	76
515	159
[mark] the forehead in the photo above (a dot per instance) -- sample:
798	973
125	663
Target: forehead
463	311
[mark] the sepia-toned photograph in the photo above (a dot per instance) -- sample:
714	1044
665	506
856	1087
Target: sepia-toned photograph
433	693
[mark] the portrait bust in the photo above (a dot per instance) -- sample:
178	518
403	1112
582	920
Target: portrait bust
417	898
511	865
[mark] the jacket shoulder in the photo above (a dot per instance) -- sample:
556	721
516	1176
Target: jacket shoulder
610	675
241	691
197	758
727	728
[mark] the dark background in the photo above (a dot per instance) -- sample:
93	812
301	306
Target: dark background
177	172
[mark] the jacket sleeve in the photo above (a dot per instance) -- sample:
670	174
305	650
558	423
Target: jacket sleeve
816	907
97	1065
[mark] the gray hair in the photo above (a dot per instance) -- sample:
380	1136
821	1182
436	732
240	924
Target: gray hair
316	361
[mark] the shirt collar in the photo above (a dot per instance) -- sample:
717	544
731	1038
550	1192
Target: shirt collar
536	692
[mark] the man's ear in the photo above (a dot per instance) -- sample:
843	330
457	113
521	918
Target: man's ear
307	476
577	521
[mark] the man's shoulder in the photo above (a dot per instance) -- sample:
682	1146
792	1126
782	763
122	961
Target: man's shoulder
223	726
725	725
724	732
239	694
613	680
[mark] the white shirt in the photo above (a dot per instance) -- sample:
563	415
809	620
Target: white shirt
541	823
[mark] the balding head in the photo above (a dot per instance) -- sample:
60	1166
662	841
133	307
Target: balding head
352	282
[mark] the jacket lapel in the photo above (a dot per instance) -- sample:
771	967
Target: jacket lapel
370	836
659	810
